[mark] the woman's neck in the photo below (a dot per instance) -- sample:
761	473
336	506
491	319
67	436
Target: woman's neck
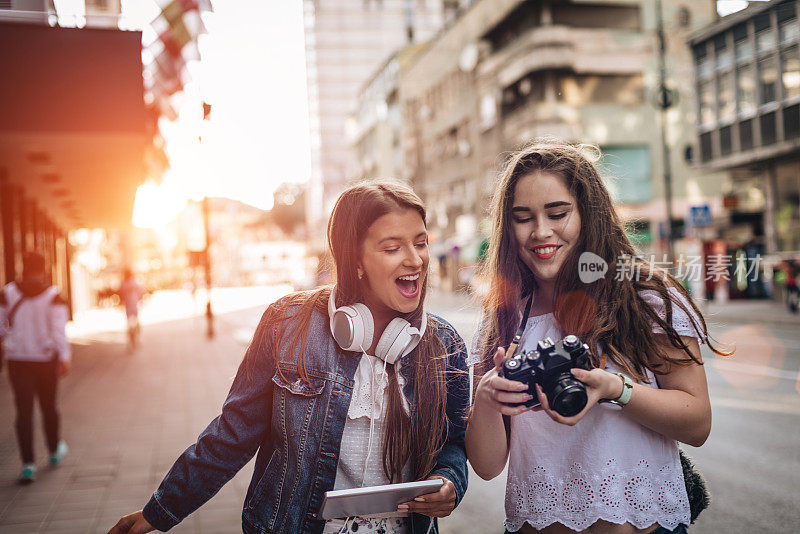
381	317
543	299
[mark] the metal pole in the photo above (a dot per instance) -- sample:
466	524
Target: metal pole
665	100
207	265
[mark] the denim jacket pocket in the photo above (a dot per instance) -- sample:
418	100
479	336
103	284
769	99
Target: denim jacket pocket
291	382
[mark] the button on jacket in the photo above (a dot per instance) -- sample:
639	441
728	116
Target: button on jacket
296	428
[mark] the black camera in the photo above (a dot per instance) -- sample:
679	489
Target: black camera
549	366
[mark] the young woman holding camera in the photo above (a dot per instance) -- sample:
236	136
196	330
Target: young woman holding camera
328	405
613	468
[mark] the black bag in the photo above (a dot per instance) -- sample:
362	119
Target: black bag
696	487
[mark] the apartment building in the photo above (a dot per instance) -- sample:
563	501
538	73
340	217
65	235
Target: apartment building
508	71
747	75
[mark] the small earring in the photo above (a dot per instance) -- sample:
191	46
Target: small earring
360	276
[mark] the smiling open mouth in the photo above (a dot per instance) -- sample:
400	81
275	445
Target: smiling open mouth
408	285
546	252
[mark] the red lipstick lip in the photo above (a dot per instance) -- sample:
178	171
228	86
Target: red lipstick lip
545	256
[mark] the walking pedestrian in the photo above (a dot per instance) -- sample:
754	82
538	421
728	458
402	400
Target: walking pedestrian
328	405
33	317
613	468
130	294
792	289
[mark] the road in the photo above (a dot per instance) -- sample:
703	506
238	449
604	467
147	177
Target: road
127	416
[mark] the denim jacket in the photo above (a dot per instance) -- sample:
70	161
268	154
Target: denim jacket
296	428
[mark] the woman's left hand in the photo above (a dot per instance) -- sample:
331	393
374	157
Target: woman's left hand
437	504
600	384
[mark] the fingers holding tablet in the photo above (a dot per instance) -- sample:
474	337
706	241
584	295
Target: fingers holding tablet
437	504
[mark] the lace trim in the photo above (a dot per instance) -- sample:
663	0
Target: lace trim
640	496
681	321
369	389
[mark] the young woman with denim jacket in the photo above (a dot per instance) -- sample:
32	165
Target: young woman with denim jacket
291	399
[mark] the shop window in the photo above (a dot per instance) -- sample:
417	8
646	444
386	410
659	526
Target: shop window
768	132
746	90
767	80
746	134
790	60
725	143
626	172
705	147
791	122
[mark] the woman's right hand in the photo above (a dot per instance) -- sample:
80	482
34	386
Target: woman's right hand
495	392
134	523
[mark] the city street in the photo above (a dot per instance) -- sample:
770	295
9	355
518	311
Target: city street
127	416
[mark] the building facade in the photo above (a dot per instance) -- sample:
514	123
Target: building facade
747	74
346	42
507	71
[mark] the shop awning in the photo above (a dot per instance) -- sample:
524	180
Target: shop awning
72	121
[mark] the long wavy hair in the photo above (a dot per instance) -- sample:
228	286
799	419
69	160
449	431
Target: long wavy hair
419	436
609	313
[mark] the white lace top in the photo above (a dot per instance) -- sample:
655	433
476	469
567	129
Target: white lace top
605	467
355	469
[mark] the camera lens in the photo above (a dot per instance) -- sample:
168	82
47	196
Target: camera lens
568	397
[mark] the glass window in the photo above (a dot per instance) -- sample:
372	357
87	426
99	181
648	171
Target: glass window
791	121
788	30
626	172
744	49
722	54
746	90
768	132
791	72
765	40
584	89
704	66
767	80
746	134
726	100
725	141
707	102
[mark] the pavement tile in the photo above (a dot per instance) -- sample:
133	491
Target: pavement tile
20	528
64	526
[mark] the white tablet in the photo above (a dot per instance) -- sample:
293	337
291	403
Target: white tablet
374	499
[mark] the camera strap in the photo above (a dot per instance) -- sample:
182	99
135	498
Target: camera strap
518	336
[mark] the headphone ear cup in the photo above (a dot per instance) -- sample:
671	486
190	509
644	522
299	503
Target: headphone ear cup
394	340
363	327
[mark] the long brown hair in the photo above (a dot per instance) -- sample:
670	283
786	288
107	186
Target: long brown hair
420	436
609	313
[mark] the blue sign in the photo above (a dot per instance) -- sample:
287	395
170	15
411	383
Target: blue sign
700	216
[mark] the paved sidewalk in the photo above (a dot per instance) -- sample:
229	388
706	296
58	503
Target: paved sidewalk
126	417
751	311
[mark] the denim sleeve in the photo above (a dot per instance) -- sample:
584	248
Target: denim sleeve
451	462
225	445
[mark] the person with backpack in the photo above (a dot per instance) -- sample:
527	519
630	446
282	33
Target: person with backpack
33	317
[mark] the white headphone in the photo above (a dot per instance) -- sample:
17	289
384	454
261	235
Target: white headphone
353	329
